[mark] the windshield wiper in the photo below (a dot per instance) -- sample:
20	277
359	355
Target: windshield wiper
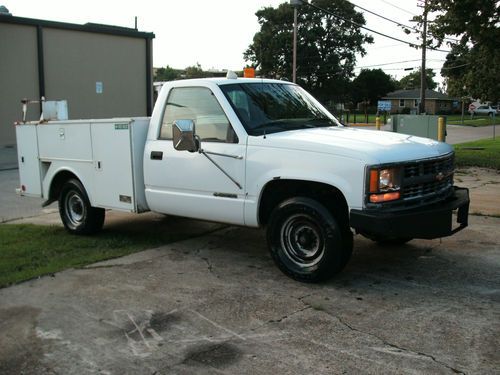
280	124
320	122
293	124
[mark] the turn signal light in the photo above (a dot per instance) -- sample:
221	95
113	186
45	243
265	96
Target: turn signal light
378	198
373	181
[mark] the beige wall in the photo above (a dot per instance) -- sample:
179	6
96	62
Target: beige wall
18	77
75	61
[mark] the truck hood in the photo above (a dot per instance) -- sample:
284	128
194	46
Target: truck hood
369	145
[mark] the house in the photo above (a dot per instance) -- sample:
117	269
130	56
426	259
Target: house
101	70
406	101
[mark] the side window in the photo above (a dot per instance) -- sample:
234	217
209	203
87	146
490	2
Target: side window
201	106
401	102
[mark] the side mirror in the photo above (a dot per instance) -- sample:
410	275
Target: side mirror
184	136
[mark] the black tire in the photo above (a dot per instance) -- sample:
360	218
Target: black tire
306	242
77	215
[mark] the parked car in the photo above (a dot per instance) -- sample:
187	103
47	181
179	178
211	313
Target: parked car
485	110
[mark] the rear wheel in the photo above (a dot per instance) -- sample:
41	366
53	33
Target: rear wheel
77	215
306	241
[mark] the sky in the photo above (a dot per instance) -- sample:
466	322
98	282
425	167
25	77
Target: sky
215	33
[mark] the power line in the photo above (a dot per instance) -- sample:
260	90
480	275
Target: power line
418	67
366	28
454	67
395	22
394	62
385	18
395	6
388	46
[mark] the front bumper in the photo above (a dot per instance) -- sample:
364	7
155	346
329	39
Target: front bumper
428	222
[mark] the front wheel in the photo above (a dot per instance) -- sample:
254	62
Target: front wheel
306	241
77	215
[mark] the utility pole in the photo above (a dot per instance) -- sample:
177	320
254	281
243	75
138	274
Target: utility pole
423	80
294	67
295	4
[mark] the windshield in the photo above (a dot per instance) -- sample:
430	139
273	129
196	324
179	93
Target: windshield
265	108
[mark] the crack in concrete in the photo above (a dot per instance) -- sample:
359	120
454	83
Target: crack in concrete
209	265
400	348
287	316
97	267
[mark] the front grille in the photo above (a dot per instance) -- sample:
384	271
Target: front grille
427	181
429	166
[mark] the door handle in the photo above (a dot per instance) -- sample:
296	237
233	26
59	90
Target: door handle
156	155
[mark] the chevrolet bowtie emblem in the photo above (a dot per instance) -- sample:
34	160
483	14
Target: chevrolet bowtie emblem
439	176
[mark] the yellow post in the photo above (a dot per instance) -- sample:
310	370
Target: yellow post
441	129
377	122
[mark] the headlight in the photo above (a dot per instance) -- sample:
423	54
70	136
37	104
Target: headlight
388	179
384	184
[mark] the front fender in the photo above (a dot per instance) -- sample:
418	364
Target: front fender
267	164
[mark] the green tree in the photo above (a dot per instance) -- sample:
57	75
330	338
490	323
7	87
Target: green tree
412	80
473	60
370	85
166	74
326	45
195	71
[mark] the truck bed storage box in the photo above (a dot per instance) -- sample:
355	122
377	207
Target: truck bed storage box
106	155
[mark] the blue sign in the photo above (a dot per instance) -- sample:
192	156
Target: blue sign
384	105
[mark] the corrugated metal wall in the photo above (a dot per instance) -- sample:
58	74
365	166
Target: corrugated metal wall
18	76
100	75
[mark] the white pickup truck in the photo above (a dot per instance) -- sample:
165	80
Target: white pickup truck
251	152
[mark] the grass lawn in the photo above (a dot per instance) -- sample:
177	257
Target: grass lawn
28	251
475	121
482	153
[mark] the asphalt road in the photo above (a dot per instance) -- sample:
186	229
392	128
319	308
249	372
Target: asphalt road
460	134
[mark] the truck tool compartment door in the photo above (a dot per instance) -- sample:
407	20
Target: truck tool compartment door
118	148
187	183
29	163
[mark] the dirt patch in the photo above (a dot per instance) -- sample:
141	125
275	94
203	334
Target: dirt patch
21	350
484	189
214	355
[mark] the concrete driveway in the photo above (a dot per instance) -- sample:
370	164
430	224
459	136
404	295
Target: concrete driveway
217	304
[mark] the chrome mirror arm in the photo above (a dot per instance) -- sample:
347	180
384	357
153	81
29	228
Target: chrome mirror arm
201	151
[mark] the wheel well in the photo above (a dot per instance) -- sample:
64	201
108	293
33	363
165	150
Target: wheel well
57	183
277	191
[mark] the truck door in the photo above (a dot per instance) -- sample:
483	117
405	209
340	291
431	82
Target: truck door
187	183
